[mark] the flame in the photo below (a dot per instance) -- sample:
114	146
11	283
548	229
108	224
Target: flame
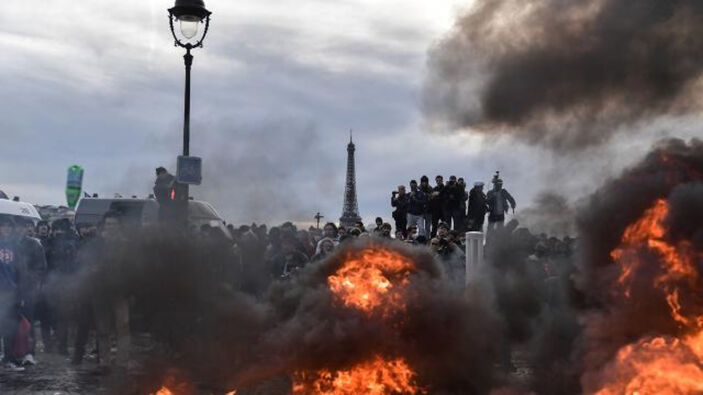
164	391
378	376
663	364
371	280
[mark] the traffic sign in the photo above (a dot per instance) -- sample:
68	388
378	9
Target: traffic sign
189	170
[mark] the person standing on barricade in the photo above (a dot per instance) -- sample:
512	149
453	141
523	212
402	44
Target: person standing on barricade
498	200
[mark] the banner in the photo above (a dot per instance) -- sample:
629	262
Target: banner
74	184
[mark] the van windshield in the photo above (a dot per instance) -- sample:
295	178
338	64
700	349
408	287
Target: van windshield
201	210
131	212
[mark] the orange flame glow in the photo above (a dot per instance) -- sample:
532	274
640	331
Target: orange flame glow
164	391
376	377
664	364
371	280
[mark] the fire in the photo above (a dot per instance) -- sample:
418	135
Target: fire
164	391
378	376
662	364
371	280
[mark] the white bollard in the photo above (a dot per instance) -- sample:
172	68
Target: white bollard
474	255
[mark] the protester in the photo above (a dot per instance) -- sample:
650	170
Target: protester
437	204
417	202
426	211
325	249
11	276
379	224
478	206
400	200
455	195
289	260
104	257
34	262
463	220
498	200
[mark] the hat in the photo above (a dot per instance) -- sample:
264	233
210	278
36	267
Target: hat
478	184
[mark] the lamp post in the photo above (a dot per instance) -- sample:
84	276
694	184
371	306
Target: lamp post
190	14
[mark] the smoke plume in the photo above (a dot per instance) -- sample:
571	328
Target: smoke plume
213	336
566	74
673	172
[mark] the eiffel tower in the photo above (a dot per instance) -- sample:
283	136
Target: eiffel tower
350	211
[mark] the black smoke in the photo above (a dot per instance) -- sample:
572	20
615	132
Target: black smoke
211	336
672	171
566	74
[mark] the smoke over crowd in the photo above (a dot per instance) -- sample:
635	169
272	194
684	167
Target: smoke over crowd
566	74
569	312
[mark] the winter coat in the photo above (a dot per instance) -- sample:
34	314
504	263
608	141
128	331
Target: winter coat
417	202
400	202
454	196
438	203
11	271
34	261
503	194
478	204
62	250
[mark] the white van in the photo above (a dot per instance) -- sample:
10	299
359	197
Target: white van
144	212
19	210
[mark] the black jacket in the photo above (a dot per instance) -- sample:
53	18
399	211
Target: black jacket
401	203
478	204
34	262
438	203
503	194
455	196
417	202
62	250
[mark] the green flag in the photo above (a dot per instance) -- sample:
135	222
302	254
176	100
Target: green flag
74	185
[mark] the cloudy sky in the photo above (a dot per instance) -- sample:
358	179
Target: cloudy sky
275	91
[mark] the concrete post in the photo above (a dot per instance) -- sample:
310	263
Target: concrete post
474	255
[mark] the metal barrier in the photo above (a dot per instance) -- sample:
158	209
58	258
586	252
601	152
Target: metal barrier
474	255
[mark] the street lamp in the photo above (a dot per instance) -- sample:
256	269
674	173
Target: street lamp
190	14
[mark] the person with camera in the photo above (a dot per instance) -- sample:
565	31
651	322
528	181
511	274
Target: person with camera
499	201
450	254
400	200
417	201
437	204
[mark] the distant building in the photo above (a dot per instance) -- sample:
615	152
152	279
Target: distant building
350	210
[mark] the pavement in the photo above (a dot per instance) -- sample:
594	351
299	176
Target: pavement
55	375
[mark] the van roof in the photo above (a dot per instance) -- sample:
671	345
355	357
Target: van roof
19	209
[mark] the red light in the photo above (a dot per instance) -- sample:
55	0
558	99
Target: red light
173	194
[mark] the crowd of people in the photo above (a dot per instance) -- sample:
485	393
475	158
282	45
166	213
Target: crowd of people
426	207
41	263
39	266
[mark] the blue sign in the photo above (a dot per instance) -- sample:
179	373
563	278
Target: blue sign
189	170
